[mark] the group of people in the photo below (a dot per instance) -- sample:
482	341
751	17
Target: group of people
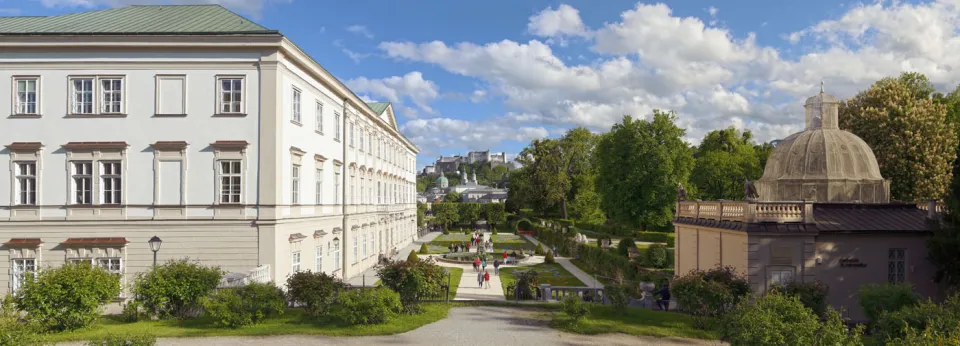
465	247
480	265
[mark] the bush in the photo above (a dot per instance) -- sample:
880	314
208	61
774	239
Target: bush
314	291
617	296
368	306
175	288
12	330
124	340
574	307
708	294
67	297
623	247
413	281
652	237
813	295
877	298
539	250
245	305
445	232
940	319
655	256
549	258
130	312
423	248
777	319
412	257
927	337
526	285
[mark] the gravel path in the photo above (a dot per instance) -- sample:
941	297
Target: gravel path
463	326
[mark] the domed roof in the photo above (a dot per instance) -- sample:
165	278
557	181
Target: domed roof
442	180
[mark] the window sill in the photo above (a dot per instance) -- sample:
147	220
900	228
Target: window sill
25	116
169	115
229	205
296	123
318	132
229	115
25	206
102	115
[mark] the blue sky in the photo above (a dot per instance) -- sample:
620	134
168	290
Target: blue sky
497	74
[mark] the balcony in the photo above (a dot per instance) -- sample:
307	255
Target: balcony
748	212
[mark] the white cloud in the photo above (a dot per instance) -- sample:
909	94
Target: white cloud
252	7
478	95
397	89
563	21
438	133
360	30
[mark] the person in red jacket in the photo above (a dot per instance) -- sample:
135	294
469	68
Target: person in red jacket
476	264
486	279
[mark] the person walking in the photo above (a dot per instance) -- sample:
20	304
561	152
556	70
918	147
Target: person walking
483	264
486	279
476	264
496	267
504	256
664	302
480	279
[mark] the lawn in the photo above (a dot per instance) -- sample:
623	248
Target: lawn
455	275
552	274
604	319
501	242
293	321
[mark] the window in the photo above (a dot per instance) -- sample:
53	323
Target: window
111	95
112	265
352	135
296	262
897	266
82	93
231	95
364	245
336	186
336	126
781	276
318	181
21	267
355	249
110	177
319	259
318	113
370	143
336	256
26	183
230	181
27	96
295	185
296	105
83	182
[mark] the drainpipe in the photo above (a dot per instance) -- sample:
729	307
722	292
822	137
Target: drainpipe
343	186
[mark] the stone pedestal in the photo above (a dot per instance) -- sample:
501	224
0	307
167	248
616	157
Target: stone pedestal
545	288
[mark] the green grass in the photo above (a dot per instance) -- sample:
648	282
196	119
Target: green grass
638	322
501	242
455	275
293	321
552	274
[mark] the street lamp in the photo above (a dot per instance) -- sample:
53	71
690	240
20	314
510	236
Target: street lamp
155	246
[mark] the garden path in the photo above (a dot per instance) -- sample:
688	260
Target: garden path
369	276
570	267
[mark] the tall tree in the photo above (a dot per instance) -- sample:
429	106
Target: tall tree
549	182
469	213
445	214
639	165
763	153
452	197
909	132
495	214
724	159
577	148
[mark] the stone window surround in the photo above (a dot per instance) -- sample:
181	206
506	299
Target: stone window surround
771	269
319	165
158	98
170	151
230	150
13	97
296	160
97	95
23	249
95	153
25	152
218	89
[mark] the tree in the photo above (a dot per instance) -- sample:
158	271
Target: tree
518	196
496	214
639	165
452	197
421	214
763	153
469	213
724	160
578	147
445	214
549	181
914	143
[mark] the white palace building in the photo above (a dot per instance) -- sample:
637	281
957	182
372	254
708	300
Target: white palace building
193	124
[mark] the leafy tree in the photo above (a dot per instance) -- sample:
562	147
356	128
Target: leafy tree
639	165
763	153
446	214
421	214
549	181
469	212
518	196
909	132
577	148
496	215
724	160
413	280
452	197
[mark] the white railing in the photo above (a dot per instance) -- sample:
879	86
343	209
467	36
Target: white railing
259	274
740	211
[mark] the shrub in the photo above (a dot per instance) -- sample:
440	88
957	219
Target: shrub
244	305
314	291
368	306
12	330
124	340
927	337
574	307
413	281
617	296
130	312
623	247
877	298
652	237
445	232
175	288
67	297
524	225
655	256
777	319
549	258
423	248
708	294
539	250
813	295
412	257
940	319
526	285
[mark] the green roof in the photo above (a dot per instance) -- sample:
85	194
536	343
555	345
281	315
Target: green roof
143	20
378	107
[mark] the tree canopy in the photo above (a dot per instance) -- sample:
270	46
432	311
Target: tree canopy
724	160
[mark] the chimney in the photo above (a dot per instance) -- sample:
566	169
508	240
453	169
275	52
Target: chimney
932	209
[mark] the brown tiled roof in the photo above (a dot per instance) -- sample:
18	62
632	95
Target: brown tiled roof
229	144
170	145
894	217
95	241
33	146
95	145
23	242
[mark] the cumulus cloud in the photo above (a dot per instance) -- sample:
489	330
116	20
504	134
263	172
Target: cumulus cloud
251	7
433	135
398	89
563	21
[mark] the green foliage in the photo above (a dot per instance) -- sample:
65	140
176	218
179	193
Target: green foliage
708	294
574	307
315	291
639	165
124	340
452	197
244	305
779	320
13	331
724	159
942	246
813	295
927	337
469	212
524	225
446	214
907	130
174	289
496	214
131	311
368	306
877	298
526	285
423	248
549	258
67	297
623	247
412	257
539	250
939	319
655	256
413	280
421	214
618	297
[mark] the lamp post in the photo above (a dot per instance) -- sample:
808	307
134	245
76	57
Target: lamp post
155	246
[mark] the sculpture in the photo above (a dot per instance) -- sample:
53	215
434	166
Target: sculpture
681	192
750	191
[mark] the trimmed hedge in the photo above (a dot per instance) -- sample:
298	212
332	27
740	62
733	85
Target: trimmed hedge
600	261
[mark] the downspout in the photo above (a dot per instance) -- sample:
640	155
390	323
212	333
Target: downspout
343	186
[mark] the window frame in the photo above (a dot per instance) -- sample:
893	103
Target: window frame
295	261
102	94
220	175
241	105
295	184
78	175
20	178
356	249
318	185
337	264
15	102
116	178
336	122
72	99
318	110
319	259
15	281
158	109
296	115
893	271
337	186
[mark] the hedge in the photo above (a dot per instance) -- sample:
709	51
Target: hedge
600	261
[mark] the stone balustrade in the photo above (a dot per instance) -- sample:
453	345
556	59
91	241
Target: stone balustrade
747	211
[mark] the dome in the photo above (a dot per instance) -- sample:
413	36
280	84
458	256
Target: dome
822	162
442	182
